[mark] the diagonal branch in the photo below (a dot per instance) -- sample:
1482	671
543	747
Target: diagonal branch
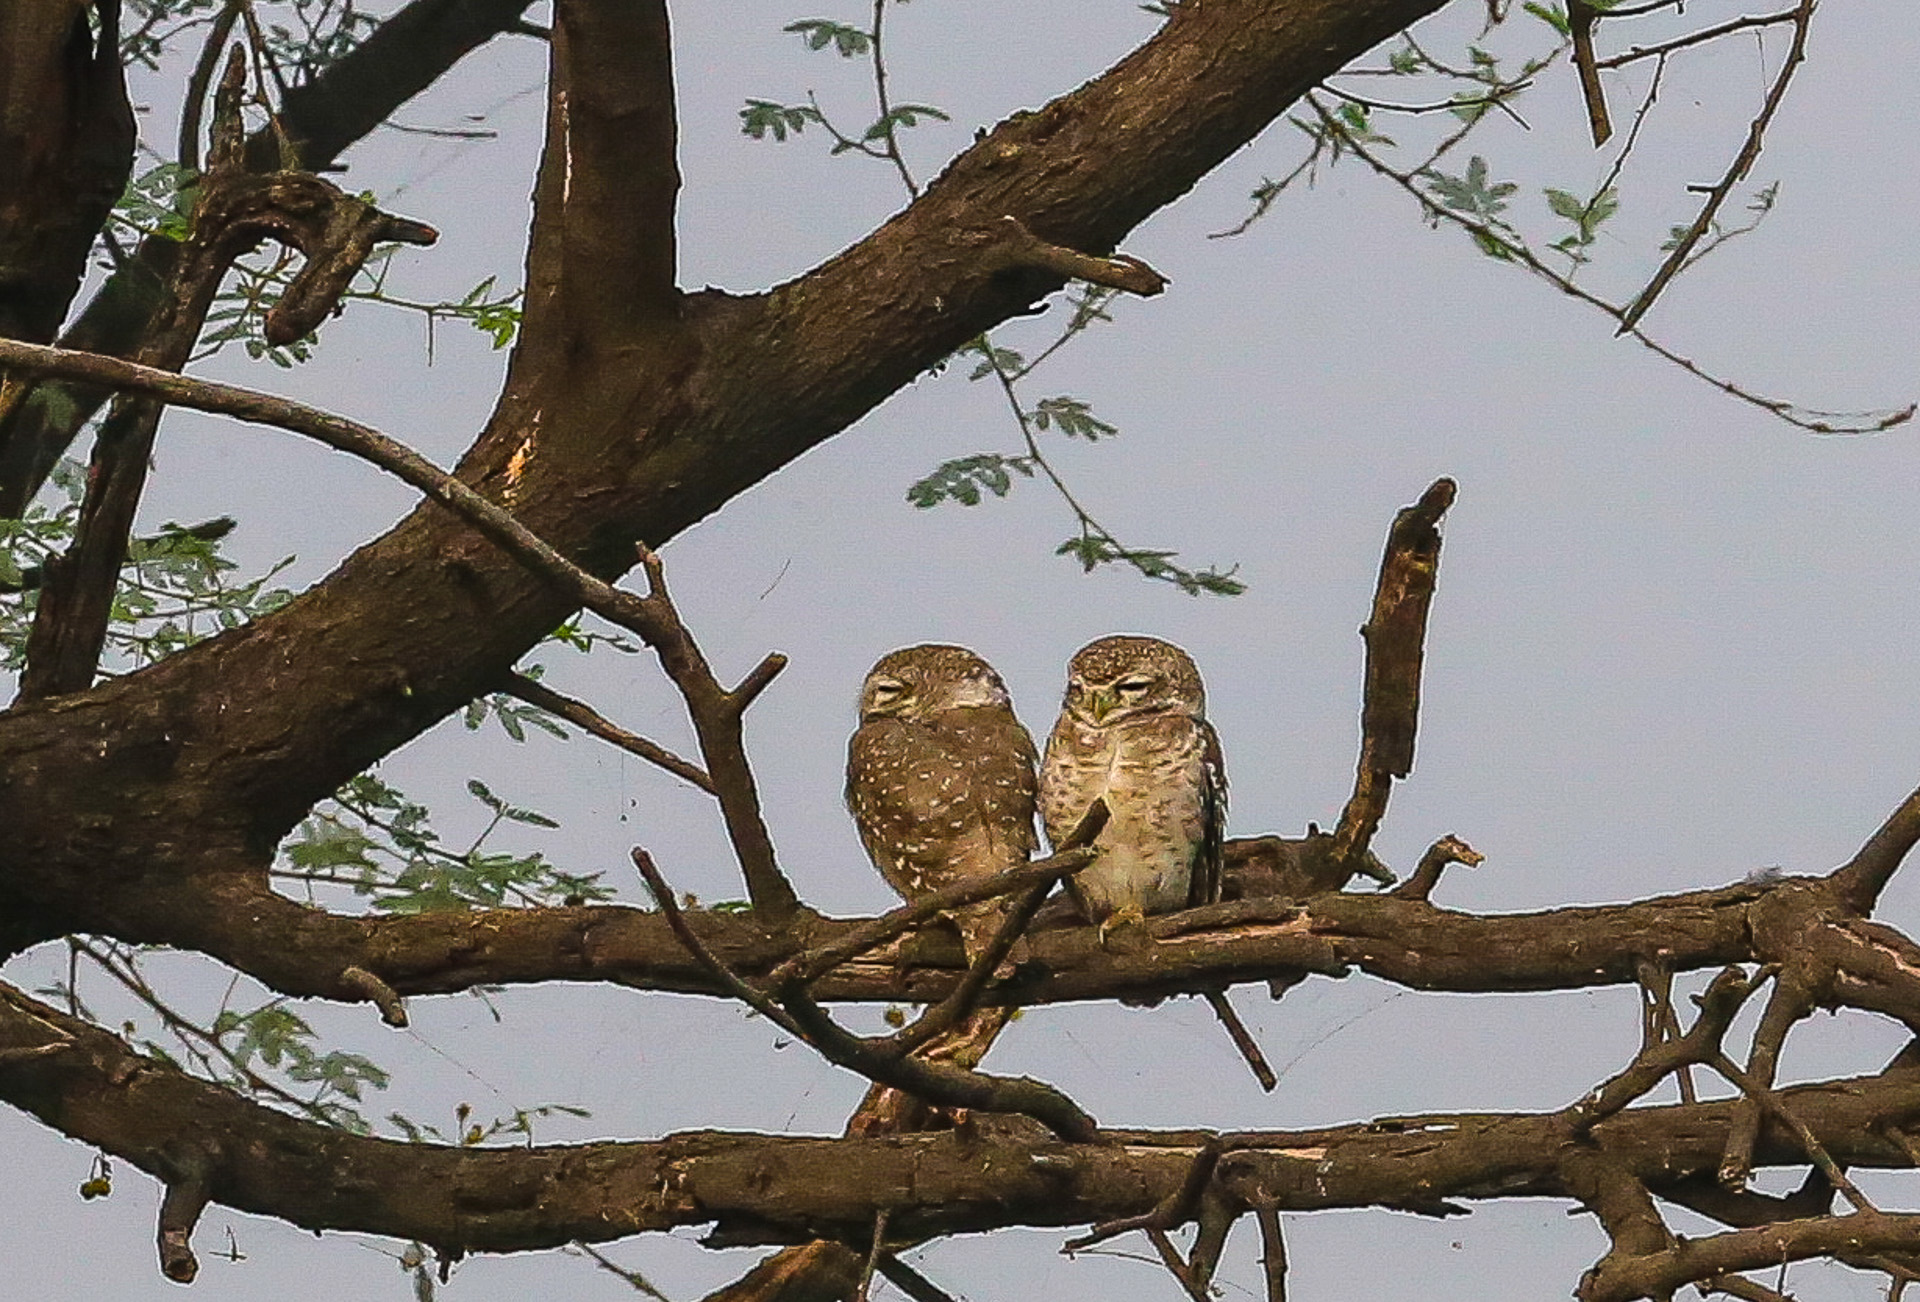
1683	248
349	98
584	716
232	213
939	1083
1860	880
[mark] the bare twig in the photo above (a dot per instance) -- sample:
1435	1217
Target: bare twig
1705	34
1718	1007
910	1281
1273	1251
1447	850
1514	250
1242	1038
584	716
716	712
186	1197
1762	1095
1788	1005
811	965
1175	1209
874	1253
1742	161
1581	18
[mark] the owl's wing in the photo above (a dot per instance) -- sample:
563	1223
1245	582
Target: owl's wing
1209	852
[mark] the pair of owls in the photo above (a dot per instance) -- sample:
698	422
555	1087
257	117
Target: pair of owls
941	783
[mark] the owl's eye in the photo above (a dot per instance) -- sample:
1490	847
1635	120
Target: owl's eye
1133	686
888	691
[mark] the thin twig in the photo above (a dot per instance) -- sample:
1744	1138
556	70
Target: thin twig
812	964
584	716
1638	52
1742	161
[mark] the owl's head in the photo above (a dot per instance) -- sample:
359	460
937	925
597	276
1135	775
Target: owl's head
917	682
1125	677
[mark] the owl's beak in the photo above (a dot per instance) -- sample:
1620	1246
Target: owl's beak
1100	704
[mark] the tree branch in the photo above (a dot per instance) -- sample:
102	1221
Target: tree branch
770	1188
613	87
346	100
1396	636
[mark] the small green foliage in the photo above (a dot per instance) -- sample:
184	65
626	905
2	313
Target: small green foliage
513	714
467	1132
993	359
1072	417
761	117
1553	15
509	813
175	588
497	316
903	115
819	33
1470	194
963	479
582	639
1356	121
380	844
1586	216
159	202
1093	550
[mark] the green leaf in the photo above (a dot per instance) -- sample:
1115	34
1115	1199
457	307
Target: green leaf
1554	16
1073	418
763	117
1470	193
964	479
819	33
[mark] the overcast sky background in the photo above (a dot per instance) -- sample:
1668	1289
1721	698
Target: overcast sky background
1673	641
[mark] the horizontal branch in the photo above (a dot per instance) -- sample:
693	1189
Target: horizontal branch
778	1188
299	950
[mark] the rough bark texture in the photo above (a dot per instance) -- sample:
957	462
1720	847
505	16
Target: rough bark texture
147	808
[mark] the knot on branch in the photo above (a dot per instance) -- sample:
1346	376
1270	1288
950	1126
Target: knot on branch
1011	246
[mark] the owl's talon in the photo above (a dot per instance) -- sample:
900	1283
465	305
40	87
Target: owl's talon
1124	931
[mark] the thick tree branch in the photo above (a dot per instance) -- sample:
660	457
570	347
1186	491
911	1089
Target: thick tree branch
299	950
613	93
66	149
666	439
769	1188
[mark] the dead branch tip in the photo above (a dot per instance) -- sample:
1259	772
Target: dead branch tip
393	1010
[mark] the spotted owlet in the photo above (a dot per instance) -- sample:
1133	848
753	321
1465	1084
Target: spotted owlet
1133	731
940	777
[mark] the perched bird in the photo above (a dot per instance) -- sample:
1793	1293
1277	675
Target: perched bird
1133	731
940	778
940	783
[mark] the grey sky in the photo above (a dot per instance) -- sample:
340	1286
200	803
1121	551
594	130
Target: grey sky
1673	641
